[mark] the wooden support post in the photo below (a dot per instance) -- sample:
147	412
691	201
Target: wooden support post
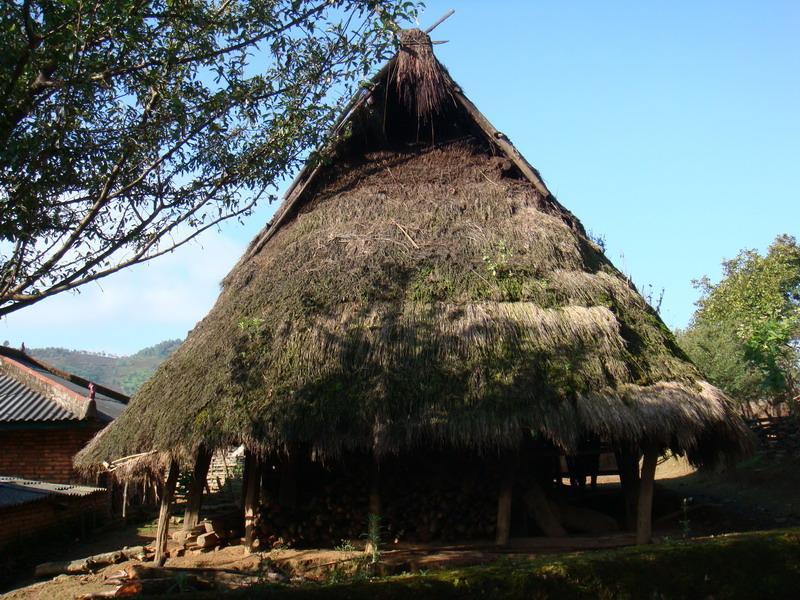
628	467
125	501
287	491
538	505
266	470
509	471
644	518
371	547
194	500
245	479
163	515
251	489
375	488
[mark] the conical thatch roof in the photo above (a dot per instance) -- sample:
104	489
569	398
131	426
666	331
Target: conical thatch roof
421	286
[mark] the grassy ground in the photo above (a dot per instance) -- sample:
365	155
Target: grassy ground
761	487
751	565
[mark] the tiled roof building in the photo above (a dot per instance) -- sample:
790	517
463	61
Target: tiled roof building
46	416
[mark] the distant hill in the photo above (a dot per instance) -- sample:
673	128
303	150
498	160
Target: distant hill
123	373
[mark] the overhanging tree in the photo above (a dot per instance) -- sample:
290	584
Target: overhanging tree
129	127
746	330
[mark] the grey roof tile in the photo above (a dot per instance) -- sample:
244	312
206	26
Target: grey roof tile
15	490
19	403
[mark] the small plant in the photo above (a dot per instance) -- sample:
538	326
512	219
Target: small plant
374	538
598	238
337	575
183	584
250	326
345	546
497	264
280	544
685	523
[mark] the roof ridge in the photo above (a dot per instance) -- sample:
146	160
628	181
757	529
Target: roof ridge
311	169
19	355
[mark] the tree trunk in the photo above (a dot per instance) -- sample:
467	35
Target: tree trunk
644	521
194	501
503	530
251	488
628	467
163	515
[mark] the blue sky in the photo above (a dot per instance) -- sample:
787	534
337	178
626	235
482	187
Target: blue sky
671	129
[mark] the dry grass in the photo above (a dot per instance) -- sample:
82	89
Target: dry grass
421	83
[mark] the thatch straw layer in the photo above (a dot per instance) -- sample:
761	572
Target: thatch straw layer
422	84
426	298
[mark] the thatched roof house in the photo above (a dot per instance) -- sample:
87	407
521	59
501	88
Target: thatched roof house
420	287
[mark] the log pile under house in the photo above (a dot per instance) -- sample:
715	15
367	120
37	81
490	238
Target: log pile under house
422	326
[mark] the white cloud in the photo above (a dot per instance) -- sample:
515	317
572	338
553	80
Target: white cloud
134	308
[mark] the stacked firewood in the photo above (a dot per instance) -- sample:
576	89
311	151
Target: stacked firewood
419	503
420	514
206	536
321	520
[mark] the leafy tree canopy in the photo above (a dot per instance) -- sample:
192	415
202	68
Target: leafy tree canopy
128	127
745	334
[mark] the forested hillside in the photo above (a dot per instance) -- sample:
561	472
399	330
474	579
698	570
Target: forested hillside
123	373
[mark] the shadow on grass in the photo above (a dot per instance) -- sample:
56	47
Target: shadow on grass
752	565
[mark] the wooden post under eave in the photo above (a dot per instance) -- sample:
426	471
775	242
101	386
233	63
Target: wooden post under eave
194	501
644	517
252	487
125	501
163	515
539	507
628	467
287	484
374	505
509	469
375	489
265	481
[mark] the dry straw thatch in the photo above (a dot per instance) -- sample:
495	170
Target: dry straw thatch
424	288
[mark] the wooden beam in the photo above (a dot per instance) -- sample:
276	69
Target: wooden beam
163	516
441	20
509	472
251	489
194	500
628	468
644	517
